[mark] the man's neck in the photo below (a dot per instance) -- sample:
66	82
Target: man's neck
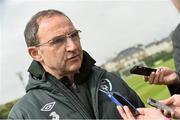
58	74
71	77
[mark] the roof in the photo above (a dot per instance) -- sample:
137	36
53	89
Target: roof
128	52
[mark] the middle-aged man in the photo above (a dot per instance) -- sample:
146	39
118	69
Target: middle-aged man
64	81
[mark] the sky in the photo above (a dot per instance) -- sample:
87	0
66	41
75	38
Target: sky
107	28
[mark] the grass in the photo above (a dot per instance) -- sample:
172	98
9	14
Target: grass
145	90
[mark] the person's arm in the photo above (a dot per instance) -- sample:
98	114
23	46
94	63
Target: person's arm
175	89
174	103
145	114
163	75
170	78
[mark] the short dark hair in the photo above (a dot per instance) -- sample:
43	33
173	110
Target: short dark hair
31	29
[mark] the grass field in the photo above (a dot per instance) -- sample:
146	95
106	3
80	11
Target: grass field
145	90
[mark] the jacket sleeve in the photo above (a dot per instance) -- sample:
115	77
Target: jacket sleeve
16	112
15	115
133	96
136	101
175	89
119	85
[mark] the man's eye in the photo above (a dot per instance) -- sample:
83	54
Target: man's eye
57	41
75	34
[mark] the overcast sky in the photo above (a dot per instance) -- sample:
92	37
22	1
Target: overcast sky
107	28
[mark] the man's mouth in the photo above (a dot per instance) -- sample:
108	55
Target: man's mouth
73	57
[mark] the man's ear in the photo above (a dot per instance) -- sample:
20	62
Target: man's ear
34	53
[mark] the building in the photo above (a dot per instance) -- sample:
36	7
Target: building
135	54
126	58
159	46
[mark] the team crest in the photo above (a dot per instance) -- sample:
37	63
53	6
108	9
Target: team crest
105	85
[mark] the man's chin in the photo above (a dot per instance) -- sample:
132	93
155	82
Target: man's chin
74	68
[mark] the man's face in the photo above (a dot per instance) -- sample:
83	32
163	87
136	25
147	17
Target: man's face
63	56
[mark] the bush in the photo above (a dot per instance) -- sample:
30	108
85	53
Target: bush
4	109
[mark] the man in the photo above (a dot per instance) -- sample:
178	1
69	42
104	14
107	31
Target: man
64	82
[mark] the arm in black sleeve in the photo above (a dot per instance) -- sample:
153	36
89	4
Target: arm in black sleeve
175	89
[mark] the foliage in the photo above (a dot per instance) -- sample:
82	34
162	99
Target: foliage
4	109
162	55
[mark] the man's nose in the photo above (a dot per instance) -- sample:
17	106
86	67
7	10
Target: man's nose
70	44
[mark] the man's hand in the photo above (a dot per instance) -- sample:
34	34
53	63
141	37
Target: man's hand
150	114
145	114
174	103
163	75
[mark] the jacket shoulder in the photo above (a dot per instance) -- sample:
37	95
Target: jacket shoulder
23	106
17	111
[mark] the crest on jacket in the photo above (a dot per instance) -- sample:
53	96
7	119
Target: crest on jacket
105	85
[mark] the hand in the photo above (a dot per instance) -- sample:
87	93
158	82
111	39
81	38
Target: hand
145	114
163	75
125	113
174	103
150	114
